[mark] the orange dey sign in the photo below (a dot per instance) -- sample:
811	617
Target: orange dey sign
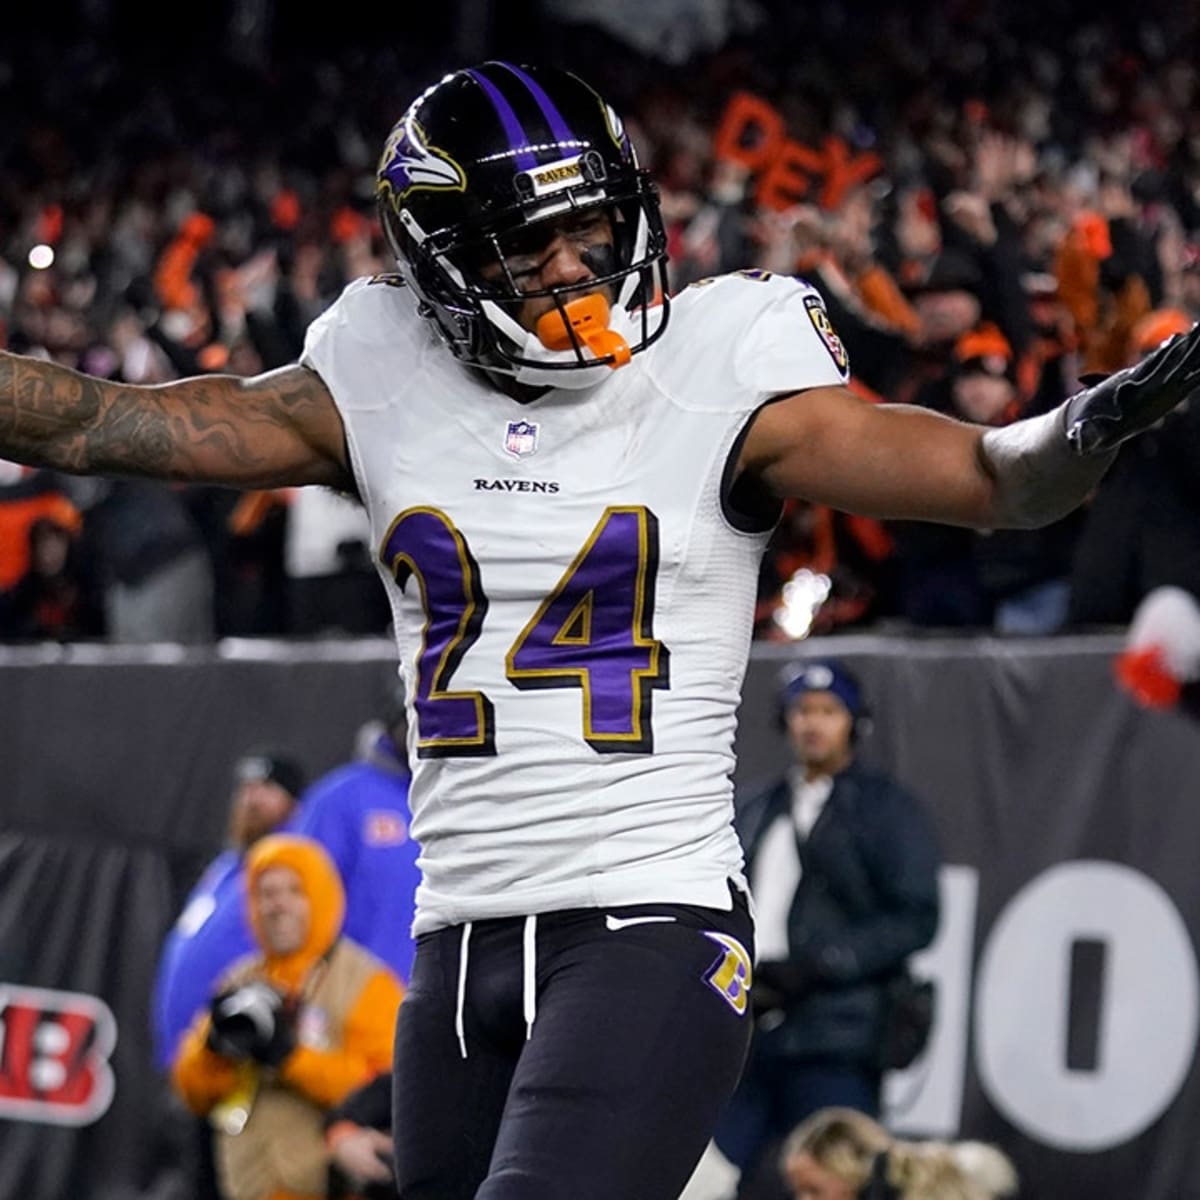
752	133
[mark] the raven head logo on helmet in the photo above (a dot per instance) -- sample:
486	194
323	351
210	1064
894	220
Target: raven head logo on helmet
485	168
408	163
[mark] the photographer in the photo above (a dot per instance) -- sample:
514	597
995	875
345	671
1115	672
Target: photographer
211	932
290	1031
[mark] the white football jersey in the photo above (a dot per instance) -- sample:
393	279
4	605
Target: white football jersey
573	606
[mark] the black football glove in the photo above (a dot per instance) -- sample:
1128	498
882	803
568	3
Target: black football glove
1101	417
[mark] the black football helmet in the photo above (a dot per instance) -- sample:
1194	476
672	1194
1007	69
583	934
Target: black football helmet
478	159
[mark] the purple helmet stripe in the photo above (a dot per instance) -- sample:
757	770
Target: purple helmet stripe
559	127
517	139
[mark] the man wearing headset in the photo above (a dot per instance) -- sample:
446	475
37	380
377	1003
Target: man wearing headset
843	866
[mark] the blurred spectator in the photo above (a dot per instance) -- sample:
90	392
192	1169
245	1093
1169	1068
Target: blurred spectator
1015	581
158	575
1142	527
28	496
843	865
1105	265
839	1154
55	599
245	532
1049	370
212	930
333	586
290	1031
358	1135
947	301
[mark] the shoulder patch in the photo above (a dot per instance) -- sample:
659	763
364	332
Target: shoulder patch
815	307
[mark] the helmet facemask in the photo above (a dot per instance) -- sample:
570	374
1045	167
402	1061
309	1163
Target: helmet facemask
479	316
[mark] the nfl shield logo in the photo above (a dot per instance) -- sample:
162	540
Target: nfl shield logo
521	438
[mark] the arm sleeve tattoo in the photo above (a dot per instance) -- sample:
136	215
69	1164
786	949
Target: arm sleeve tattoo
276	429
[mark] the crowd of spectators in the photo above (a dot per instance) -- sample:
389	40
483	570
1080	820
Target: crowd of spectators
993	206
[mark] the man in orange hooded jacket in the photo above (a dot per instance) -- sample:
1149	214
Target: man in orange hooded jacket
290	1031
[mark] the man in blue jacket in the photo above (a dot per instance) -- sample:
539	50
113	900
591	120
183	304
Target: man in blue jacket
843	865
359	813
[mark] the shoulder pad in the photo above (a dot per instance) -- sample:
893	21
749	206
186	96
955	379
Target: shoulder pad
755	333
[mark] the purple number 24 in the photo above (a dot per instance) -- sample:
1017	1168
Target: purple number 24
592	632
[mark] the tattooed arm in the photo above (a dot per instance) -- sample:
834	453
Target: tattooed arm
269	431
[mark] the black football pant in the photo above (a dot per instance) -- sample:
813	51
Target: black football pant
638	1035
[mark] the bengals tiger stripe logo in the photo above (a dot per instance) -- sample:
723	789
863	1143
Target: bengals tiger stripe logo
54	1056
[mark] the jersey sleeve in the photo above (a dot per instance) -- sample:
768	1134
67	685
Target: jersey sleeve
358	346
789	342
361	337
324	332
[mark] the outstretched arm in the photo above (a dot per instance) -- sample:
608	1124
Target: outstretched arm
829	446
268	431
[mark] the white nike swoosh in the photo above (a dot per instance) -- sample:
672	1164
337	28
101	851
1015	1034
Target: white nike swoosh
615	923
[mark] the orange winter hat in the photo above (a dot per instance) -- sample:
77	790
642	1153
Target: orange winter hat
322	885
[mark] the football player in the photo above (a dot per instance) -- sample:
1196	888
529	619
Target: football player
571	476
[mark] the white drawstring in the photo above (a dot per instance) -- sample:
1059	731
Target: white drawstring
459	1021
529	981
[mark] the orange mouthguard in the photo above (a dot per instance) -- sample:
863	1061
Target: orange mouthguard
588	316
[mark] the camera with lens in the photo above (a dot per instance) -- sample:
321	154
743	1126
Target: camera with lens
251	1021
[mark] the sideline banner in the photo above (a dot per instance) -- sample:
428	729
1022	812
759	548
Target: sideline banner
1069	993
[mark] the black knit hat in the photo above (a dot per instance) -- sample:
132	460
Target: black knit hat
270	766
